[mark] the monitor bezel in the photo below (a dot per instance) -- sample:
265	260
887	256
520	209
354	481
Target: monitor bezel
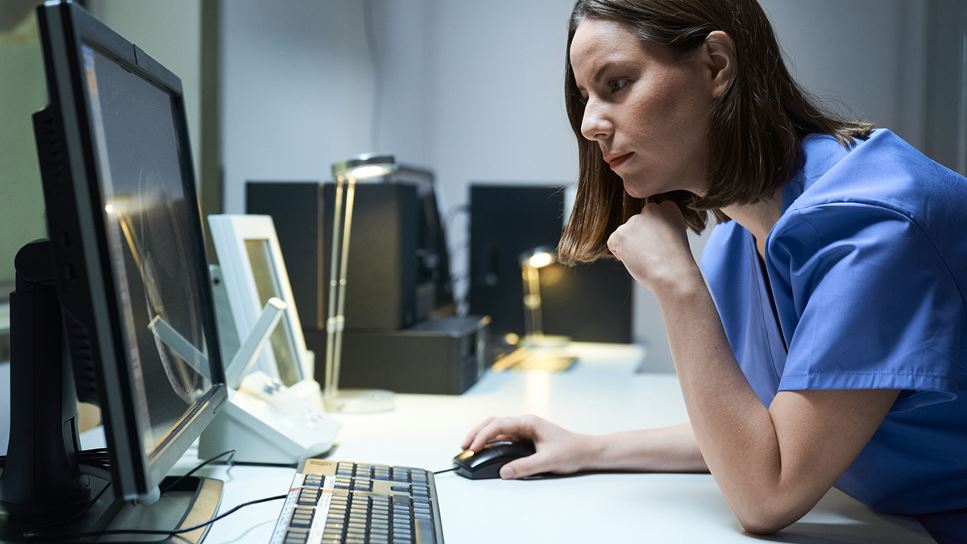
65	30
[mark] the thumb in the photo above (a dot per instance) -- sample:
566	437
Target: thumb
525	466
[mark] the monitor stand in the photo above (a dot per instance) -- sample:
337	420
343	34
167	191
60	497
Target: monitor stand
48	485
191	502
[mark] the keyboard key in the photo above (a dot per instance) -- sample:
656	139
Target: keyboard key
424	531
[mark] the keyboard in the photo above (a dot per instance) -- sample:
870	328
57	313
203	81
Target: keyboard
341	502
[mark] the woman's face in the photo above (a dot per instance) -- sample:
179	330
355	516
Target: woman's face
646	109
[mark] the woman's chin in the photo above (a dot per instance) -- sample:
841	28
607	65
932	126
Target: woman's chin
635	192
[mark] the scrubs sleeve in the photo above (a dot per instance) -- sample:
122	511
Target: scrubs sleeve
876	306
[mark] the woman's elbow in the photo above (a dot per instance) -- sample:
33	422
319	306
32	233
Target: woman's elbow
760	524
769	516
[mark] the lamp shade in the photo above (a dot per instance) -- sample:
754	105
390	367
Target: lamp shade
538	258
365	166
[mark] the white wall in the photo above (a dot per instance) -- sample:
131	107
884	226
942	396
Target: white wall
474	89
297	87
403	78
864	56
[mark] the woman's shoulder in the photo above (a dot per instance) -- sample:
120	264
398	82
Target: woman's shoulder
881	178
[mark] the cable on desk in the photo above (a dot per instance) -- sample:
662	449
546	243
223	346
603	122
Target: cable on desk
260	464
442	471
96	456
175	532
100	455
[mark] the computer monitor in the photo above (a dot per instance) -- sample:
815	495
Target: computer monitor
127	253
253	272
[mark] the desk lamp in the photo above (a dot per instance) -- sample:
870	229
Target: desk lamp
536	351
531	263
365	168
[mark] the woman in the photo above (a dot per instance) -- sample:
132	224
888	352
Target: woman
822	341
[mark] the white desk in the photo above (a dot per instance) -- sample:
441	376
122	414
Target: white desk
600	394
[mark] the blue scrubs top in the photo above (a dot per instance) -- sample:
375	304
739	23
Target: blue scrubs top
867	268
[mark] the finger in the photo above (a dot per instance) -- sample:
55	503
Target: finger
526	466
514	426
613	244
473	432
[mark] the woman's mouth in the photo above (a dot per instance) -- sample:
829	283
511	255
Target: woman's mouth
615	160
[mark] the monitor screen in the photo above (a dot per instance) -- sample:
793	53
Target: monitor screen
267	285
148	222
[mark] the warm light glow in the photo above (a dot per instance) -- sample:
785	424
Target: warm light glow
511	339
540	260
537	392
369	171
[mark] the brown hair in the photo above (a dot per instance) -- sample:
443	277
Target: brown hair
755	127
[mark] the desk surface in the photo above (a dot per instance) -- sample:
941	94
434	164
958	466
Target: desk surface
600	394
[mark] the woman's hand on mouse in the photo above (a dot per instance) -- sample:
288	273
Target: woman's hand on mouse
557	450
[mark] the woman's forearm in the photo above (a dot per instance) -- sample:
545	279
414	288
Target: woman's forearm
668	449
734	430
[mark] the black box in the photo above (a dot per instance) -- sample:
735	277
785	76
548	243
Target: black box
437	356
588	302
383	260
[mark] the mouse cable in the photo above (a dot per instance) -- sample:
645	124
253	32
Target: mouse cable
442	471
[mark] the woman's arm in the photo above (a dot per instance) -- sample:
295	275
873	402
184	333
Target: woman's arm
773	464
669	449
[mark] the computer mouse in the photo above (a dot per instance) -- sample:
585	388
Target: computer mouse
486	463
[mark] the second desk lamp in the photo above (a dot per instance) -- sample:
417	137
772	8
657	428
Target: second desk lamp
531	263
536	350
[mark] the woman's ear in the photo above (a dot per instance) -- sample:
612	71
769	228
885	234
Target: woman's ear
719	56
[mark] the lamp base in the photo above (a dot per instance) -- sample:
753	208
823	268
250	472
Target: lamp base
541	360
359	401
544	341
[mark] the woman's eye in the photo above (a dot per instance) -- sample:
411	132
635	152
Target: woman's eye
617	84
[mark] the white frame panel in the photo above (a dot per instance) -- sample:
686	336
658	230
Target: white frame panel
229	234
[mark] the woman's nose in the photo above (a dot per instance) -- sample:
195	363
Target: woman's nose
595	125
